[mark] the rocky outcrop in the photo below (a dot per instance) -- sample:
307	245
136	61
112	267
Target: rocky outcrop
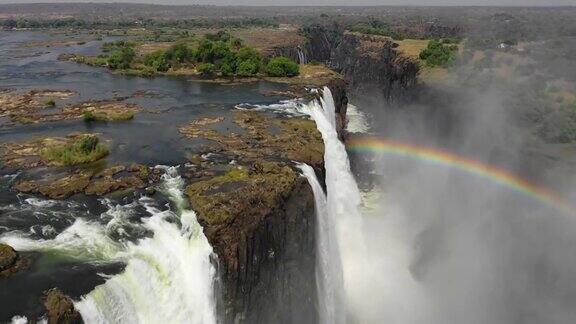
261	223
60	308
370	63
259	214
10	261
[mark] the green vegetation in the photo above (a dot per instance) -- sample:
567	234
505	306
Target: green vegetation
255	190
90	116
215	54
77	23
121	58
91	60
83	149
207	69
50	102
438	54
282	67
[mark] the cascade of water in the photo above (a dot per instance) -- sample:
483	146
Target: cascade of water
343	196
168	278
301	56
328	268
84	240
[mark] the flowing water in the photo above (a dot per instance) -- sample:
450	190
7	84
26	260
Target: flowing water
169	276
121	258
343	207
328	267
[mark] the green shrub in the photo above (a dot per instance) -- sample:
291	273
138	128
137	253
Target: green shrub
207	69
227	69
236	43
121	59
157	60
247	68
436	54
84	149
248	53
50	102
118	45
88	116
281	67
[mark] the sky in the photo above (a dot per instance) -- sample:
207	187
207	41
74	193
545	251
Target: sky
335	2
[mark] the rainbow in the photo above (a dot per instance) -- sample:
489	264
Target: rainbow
444	158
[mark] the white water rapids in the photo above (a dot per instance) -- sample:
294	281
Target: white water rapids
169	277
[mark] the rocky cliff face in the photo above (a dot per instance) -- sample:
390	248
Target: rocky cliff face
370	64
259	215
274	281
322	41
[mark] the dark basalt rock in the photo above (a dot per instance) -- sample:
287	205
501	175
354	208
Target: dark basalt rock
371	64
60	308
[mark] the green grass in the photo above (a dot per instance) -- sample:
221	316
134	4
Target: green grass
90	116
82	150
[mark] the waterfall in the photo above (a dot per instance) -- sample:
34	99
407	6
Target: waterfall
168	278
328	267
342	201
301	56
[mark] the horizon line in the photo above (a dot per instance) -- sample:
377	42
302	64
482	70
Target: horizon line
289	6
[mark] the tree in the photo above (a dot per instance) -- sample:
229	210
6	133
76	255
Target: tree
157	60
281	67
179	53
205	51
437	54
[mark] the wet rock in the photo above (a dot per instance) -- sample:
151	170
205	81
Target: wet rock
60	308
109	172
104	110
41	105
26	107
297	138
108	184
61	188
10	261
8	257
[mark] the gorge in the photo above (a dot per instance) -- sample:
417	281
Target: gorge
212	164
